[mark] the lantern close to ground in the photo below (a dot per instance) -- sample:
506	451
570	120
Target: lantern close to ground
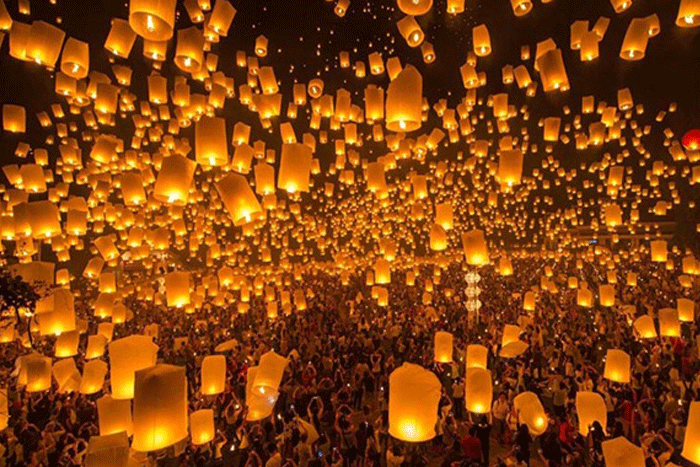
443	347
414	394
590	407
478	390
617	366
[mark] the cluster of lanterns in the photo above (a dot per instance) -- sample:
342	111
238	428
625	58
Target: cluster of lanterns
182	177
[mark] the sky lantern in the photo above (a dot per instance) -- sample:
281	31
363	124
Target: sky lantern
239	199
531	412
443	347
415	7
67	344
477	356
481	40
438	238
669	324
44	43
607	295
202	426
177	289
259	405
521	7
634	45
36	370
617	366
510	167
114	415
691	139
174	180
411	31
14	118
75	60
120	39
152	19
691	443
619	452
414	394
659	251
189	52
269	373
688	14
211	142
475	249
478	390
160	407
94	372
404	101
213	375
107	451
295	168
221	17
552	71
126	356
645	327
686	310
590	407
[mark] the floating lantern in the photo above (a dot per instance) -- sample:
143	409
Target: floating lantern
415	7
531	412
691	443
14	118
475	249
669	325
160	407
478	390
239	199
174	180
619	452
590	407
410	30
644	325
152	19
93	379
404	101
189	53
44	43
213	375
686	310
177	289
75	60
443	347
688	14
108	451
617	366
202	426
295	168
481	40
414	394
126	356
114	415
269	373
477	356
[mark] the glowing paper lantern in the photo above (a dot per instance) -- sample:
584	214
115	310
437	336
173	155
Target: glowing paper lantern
202	426
619	452
411	31
686	310
213	375
510	167
160	407
688	14
584	298
634	45
94	373
415	7
14	118
75	60
414	394
152	19
114	415
120	39
177	289
126	356
529	302
37	372
67	344
644	325
269	373
44	43
95	346
531	412
189	53
691	443
521	7
552	71
478	390
239	199
108	451
475	249
669	325
607	295
174	180
210	141
481	40
295	168
404	101
443	347
477	356
259	405
617	366
590	407
221	17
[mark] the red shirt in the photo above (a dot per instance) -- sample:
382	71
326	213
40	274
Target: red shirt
471	447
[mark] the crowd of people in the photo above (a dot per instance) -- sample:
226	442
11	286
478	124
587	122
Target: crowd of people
333	404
